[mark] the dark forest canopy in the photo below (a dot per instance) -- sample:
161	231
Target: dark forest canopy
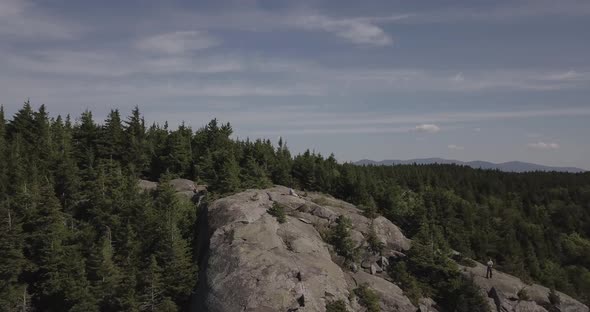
75	233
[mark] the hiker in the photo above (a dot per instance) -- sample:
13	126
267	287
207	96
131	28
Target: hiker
292	193
489	271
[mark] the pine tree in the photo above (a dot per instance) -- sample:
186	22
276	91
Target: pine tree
49	250
281	171
178	151
157	138
12	259
228	173
111	142
253	175
3	155
152	286
85	138
104	274
66	173
42	142
136	156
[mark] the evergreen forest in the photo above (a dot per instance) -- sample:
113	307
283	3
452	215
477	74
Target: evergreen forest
77	234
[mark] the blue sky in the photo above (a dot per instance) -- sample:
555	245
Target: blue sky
486	80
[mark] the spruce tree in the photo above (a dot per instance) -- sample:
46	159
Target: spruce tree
85	139
104	274
152	286
13	291
136	156
111	141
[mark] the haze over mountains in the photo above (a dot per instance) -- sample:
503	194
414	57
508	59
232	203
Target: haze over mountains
510	166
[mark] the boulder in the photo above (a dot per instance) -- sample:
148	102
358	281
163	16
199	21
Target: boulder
500	301
390	235
147	186
324	213
253	263
357	238
367	263
426	305
373	269
182	185
528	306
393	254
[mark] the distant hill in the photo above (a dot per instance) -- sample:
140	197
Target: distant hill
511	166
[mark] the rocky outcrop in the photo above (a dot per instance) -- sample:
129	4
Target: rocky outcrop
250	262
503	290
255	263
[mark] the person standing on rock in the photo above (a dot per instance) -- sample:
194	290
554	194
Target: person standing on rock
489	271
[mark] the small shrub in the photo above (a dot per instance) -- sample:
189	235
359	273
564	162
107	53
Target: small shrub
369	208
523	294
408	283
278	212
368	298
339	237
336	306
375	245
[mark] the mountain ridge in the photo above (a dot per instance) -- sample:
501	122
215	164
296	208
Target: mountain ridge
510	166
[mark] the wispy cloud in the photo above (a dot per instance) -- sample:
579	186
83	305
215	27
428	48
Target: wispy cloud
428	128
544	145
355	30
178	42
455	147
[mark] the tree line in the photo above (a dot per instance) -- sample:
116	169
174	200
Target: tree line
77	234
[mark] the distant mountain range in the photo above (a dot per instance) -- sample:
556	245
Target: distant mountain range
511	166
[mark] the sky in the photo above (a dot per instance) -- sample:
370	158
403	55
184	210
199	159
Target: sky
468	80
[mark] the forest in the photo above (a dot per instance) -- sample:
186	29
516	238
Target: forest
77	234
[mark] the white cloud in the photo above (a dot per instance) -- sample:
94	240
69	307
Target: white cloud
570	75
477	129
455	147
428	128
358	31
544	145
178	42
458	77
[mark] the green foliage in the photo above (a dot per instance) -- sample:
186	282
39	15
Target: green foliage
339	236
375	244
336	306
368	298
369	208
278	211
399	272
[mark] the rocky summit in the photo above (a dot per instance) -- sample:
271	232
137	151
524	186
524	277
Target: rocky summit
251	261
